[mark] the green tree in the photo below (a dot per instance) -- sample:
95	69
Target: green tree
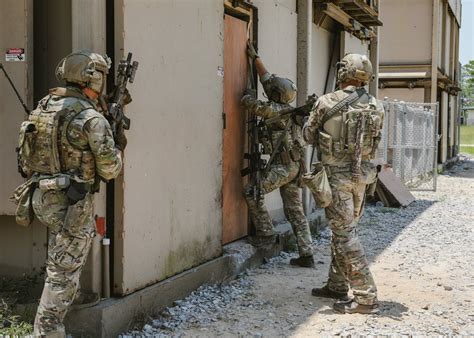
467	84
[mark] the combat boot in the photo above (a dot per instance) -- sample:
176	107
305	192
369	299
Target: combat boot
303	261
325	292
354	307
259	241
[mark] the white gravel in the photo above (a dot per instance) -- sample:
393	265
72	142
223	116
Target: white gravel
421	257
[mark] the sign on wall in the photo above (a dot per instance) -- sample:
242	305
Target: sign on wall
15	54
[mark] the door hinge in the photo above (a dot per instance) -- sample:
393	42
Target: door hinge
224	120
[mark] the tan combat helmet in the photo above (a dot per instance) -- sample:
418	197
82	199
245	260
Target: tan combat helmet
354	67
86	68
279	89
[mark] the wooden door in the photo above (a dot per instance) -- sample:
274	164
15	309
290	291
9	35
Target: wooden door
234	208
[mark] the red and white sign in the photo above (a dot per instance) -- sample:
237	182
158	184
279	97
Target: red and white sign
15	54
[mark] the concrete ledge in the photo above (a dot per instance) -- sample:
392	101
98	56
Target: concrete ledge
113	316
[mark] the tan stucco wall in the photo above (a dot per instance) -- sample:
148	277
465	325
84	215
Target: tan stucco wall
403	94
320	58
405	37
443	128
351	44
173	170
452	119
22	250
15	32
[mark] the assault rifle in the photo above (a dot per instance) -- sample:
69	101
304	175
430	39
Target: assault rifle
303	110
257	127
125	73
256	163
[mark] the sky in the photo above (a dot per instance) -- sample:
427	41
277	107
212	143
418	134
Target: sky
467	32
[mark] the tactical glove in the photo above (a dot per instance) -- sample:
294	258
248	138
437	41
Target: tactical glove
251	52
120	138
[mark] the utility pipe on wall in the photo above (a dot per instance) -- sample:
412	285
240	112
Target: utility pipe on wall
303	68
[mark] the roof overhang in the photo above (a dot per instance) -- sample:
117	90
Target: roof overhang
355	16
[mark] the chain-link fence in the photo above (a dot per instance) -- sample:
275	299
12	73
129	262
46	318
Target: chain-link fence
411	142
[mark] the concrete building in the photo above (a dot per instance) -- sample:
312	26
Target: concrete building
179	198
468	115
419	61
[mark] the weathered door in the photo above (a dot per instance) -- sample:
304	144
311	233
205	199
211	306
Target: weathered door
234	208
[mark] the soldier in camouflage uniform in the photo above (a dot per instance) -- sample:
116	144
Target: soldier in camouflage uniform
286	167
70	150
342	143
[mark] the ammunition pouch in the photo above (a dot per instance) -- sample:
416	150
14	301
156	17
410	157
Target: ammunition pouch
296	154
22	197
59	182
325	143
284	157
375	146
77	191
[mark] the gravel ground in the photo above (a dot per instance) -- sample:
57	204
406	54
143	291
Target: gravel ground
421	257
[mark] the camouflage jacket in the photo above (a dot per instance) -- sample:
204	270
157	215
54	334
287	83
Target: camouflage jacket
268	109
86	146
334	126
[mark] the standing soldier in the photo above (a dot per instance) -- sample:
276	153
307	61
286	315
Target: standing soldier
285	169
66	147
345	127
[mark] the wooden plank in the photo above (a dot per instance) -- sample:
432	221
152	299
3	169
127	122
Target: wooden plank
395	187
379	191
234	208
239	9
337	14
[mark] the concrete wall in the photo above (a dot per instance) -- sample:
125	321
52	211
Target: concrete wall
443	127
407	26
351	44
21	249
447	44
173	170
322	45
16	20
403	94
172	175
469	117
277	32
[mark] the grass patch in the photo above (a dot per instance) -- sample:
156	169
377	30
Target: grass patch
16	297
467	150
11	324
467	134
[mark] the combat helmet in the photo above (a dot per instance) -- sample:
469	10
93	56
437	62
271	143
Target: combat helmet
279	89
354	67
85	68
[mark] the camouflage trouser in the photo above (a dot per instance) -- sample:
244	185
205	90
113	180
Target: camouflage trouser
71	231
284	177
349	266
